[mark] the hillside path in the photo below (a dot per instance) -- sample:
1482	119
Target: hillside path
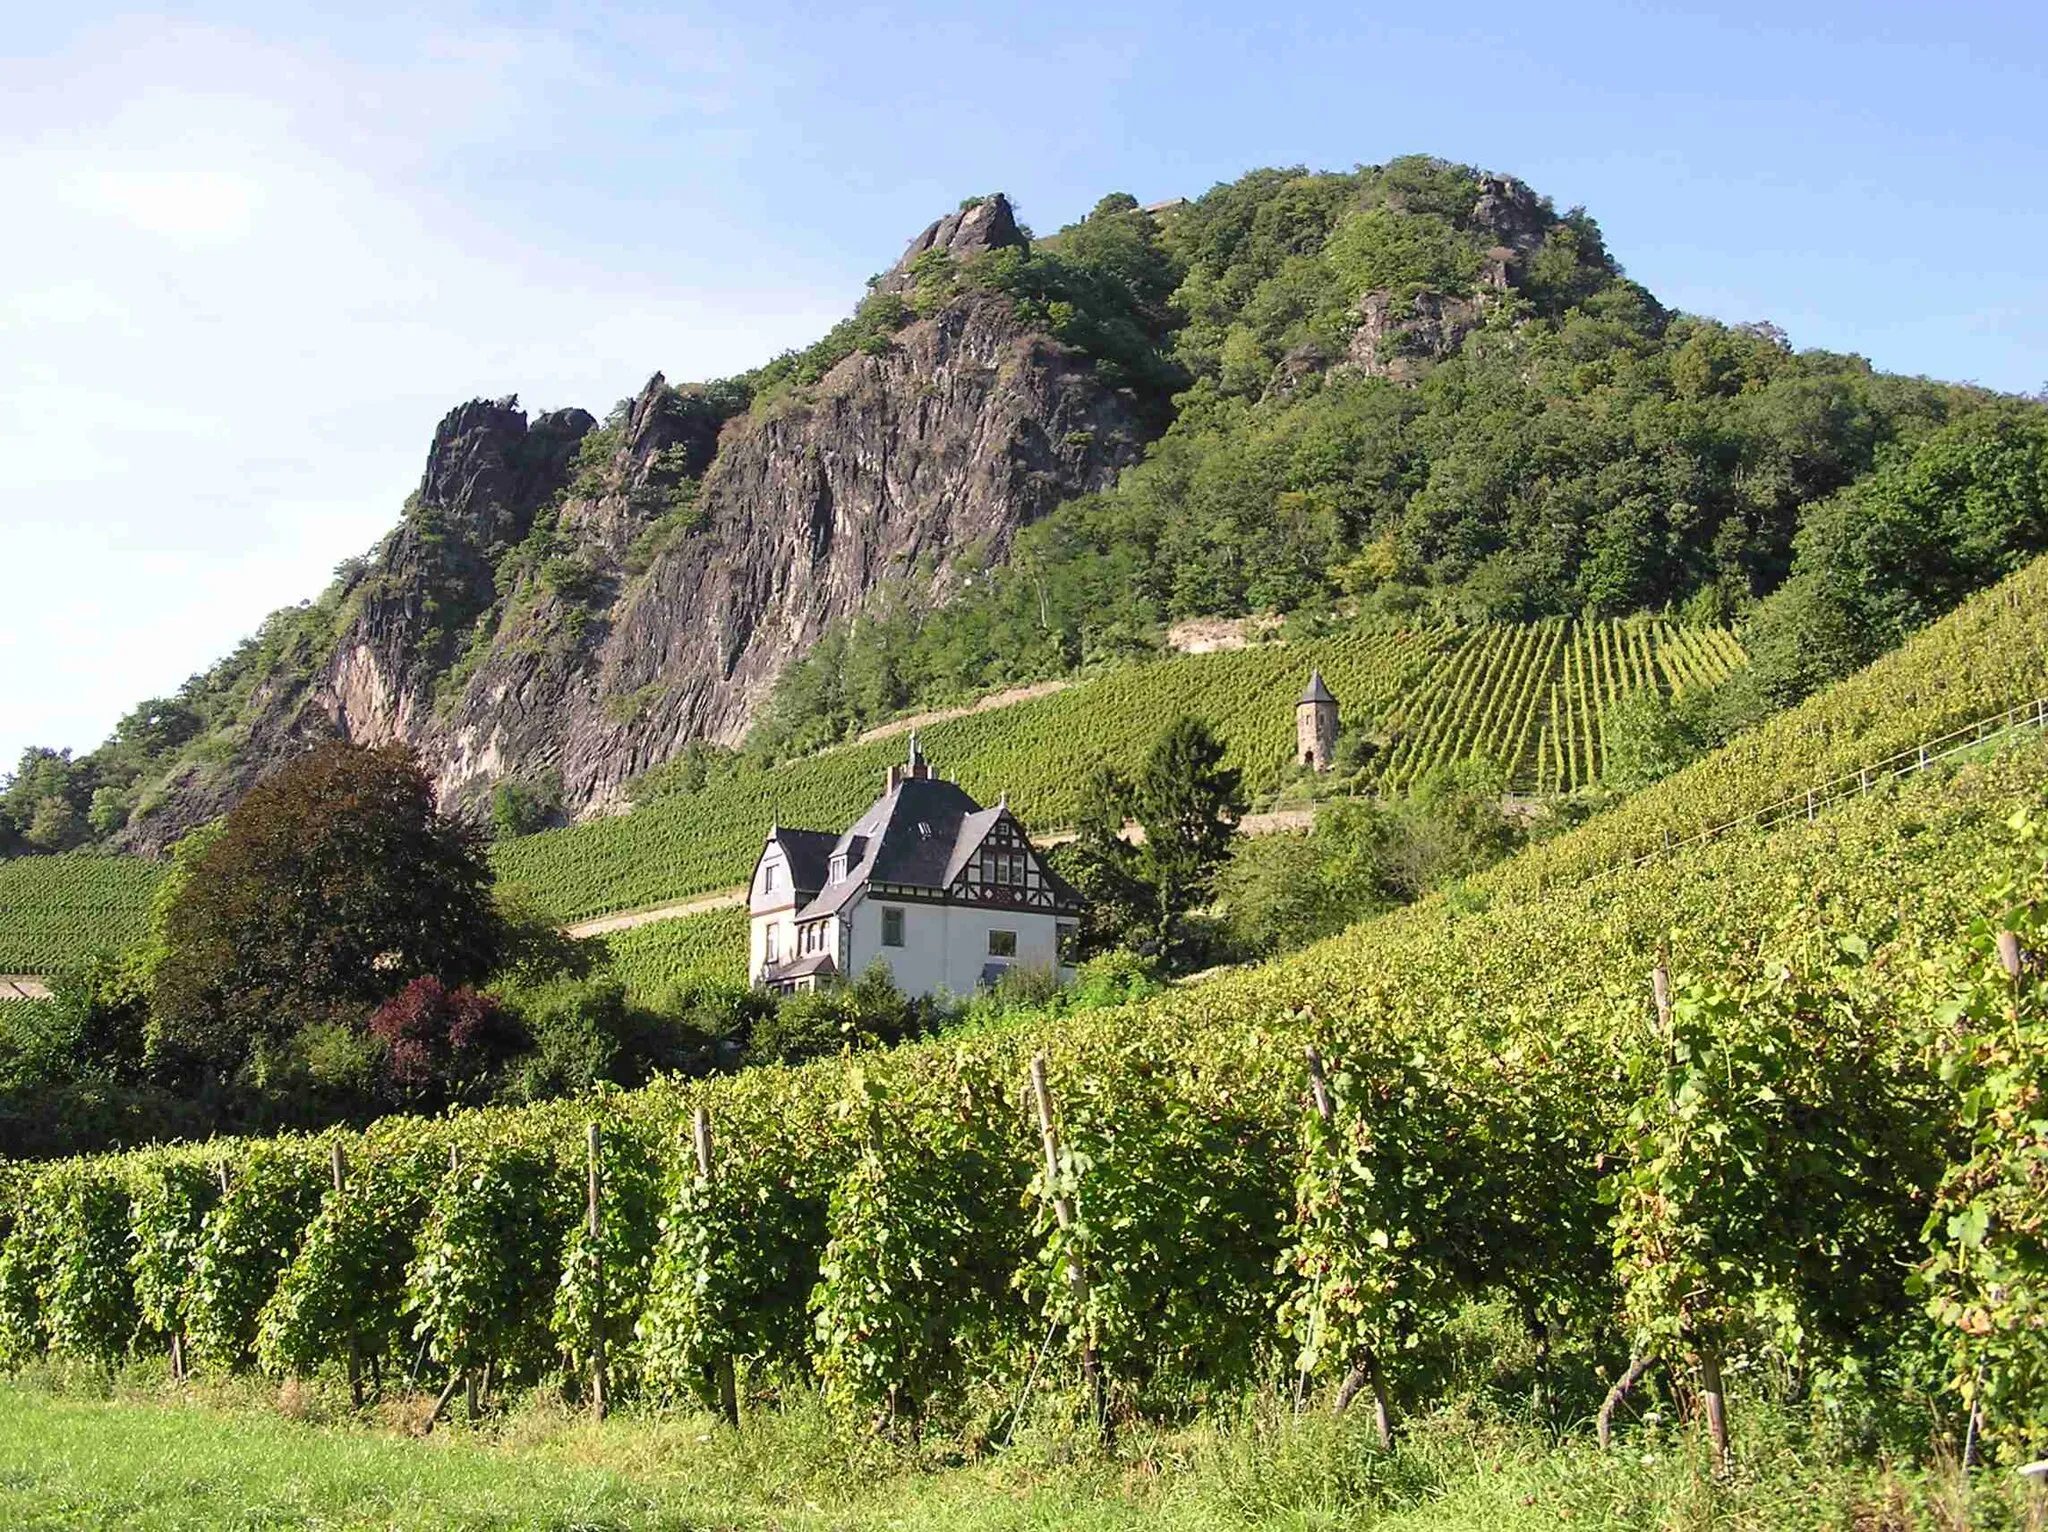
626	920
983	705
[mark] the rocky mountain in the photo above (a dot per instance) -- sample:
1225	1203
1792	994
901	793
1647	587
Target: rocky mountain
568	604
1406	392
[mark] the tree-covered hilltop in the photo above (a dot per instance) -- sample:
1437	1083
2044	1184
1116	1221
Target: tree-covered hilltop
1417	389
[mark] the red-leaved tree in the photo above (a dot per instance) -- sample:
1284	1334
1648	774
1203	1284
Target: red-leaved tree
443	1044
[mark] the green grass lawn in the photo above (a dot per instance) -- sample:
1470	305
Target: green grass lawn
147	1459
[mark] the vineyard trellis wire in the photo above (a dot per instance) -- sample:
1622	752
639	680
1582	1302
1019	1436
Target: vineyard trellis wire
1901	763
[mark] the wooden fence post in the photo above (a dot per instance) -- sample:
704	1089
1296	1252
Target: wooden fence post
1365	1372
337	1168
728	1383
456	1376
599	1403
1063	1211
1715	1401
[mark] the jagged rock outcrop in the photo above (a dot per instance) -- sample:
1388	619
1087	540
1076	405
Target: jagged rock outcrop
574	608
1400	337
925	459
488	473
987	223
1517	219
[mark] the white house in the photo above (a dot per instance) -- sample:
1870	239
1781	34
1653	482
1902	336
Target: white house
948	894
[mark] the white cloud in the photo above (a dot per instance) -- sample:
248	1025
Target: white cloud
190	207
243	282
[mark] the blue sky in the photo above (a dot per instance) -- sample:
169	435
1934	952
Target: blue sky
254	252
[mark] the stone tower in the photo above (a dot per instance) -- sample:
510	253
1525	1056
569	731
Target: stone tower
1315	726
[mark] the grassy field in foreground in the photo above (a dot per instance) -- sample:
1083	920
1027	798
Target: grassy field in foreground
71	1461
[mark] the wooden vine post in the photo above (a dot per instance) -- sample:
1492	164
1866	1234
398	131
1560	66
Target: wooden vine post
599	1402
1063	1212
728	1384
1603	1426
1365	1372
456	1375
1713	1395
337	1166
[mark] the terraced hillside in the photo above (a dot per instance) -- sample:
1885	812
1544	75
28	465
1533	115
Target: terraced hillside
1519	694
709	948
55	910
1488	1058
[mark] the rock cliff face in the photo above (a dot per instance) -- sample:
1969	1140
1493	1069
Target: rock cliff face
572	605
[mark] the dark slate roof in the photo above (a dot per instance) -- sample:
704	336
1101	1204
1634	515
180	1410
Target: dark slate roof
808	853
816	963
921	833
1317	692
973	831
906	836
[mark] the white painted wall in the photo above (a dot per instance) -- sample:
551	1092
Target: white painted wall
771	908
945	946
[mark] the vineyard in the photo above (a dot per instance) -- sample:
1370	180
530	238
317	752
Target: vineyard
698	949
1304	1169
55	910
1517	694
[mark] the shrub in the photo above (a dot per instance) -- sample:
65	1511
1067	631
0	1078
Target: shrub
441	1044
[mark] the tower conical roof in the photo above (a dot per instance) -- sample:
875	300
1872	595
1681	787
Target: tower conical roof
1317	692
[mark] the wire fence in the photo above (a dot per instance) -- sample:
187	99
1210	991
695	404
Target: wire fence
1808	804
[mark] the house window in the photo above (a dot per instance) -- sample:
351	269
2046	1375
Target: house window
768	879
892	927
768	946
1002	944
839	869
1065	932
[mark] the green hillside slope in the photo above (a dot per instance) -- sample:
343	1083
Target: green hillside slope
55	910
708	948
